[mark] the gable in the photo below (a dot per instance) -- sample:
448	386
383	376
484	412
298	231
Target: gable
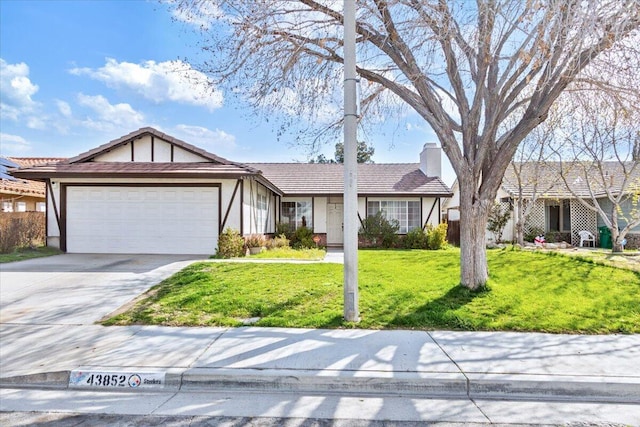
149	148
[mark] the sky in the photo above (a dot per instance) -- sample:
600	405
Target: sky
77	74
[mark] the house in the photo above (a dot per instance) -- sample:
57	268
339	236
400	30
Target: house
557	212
148	192
21	195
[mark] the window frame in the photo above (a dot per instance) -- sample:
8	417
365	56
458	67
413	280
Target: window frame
301	208
402	213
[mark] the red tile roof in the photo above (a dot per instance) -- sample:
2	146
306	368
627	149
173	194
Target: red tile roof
25	187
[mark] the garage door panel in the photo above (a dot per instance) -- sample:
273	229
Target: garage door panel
142	219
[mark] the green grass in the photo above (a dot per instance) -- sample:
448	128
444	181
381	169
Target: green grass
28	253
402	289
289	253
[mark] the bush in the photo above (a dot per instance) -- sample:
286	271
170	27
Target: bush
279	241
285	230
532	233
498	218
255	241
21	230
230	244
416	239
437	236
303	238
380	231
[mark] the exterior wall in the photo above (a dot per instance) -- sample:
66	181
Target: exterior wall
625	212
180	155
120	154
427	205
53	213
320	214
147	149
31	203
142	149
250	192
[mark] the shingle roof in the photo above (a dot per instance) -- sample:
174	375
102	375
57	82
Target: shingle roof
373	179
546	181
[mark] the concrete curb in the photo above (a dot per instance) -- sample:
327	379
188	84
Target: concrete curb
371	383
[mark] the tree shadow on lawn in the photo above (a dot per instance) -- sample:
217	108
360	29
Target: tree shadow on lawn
441	313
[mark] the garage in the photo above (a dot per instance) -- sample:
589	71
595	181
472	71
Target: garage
141	219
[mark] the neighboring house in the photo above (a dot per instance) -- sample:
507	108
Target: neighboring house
148	192
22	195
557	211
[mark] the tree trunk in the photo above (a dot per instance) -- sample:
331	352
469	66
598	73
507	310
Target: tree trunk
520	221
474	214
615	233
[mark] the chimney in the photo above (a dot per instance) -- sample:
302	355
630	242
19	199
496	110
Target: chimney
430	160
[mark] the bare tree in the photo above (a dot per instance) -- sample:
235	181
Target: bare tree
527	176
599	163
465	67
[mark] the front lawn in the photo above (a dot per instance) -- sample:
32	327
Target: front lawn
402	289
28	253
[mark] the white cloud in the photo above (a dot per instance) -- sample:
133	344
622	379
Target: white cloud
201	136
64	108
13	144
16	89
158	81
109	116
202	17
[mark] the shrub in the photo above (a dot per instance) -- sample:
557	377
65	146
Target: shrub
285	229
21	230
380	231
498	218
230	244
279	241
255	241
437	236
532	233
416	239
303	238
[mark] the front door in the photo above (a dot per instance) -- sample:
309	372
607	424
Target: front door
335	217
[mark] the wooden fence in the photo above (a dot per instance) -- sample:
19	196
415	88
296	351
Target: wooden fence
453	232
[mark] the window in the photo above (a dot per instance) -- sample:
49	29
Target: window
7	207
406	212
41	206
261	213
21	206
297	214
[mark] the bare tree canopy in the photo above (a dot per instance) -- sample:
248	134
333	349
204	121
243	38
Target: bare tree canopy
599	142
482	74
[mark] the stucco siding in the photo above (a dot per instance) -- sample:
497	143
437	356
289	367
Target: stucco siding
320	214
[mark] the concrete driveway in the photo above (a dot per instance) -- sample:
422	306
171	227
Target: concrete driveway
78	289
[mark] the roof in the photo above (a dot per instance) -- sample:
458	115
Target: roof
400	179
373	179
89	155
134	169
24	187
545	179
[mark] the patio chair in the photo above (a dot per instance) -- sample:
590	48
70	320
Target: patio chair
587	236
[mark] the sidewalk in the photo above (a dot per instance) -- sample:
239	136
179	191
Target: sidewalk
482	365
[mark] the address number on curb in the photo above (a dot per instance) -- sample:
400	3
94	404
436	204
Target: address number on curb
121	380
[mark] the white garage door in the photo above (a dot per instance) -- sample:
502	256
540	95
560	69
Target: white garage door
142	220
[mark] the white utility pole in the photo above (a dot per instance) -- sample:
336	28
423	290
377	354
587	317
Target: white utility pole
351	312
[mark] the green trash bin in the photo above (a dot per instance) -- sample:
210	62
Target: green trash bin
605	237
